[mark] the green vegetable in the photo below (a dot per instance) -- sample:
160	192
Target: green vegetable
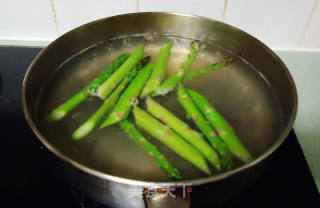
106	88
131	130
61	111
159	71
95	84
171	82
199	72
222	127
169	138
89	125
204	126
128	98
183	130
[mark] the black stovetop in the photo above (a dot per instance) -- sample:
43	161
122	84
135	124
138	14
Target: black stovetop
29	172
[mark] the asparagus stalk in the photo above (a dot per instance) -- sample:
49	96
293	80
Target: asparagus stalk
106	88
169	138
128	98
222	127
159	71
199	72
133	133
94	85
204	126
89	125
62	110
171	82
183	129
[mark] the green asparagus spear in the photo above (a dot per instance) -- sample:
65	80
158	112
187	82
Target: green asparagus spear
223	128
169	138
94	85
106	88
89	125
61	111
128	98
159	71
171	82
199	72
204	126
184	130
131	130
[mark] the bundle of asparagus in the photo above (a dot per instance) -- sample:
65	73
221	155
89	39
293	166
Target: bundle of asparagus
61	111
184	130
128	98
155	128
89	125
221	126
200	121
158	121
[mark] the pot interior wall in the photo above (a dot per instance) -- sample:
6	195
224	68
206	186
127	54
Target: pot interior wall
259	99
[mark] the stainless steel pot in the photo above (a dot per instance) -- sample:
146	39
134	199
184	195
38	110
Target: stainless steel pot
113	190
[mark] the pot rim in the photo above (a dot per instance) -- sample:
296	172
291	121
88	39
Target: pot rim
133	182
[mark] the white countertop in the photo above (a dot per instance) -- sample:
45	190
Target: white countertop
305	69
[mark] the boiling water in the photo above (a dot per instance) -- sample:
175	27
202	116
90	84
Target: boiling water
238	91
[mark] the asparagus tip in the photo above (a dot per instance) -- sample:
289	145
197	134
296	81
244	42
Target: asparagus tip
56	115
247	157
82	131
